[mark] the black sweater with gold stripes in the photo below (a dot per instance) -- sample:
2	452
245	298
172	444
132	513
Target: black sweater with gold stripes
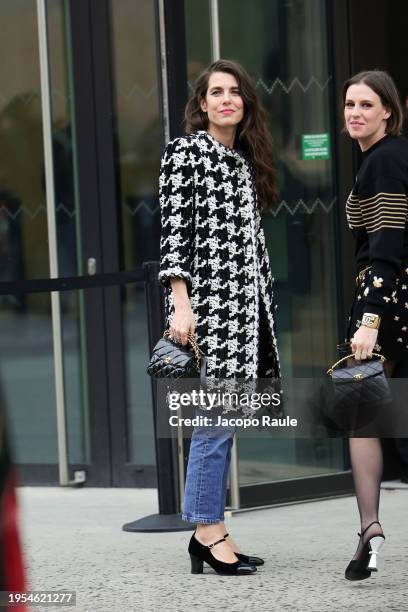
377	210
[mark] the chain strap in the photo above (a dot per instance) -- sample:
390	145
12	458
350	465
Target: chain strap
330	370
360	275
194	346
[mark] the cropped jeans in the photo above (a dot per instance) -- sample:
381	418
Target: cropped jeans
205	493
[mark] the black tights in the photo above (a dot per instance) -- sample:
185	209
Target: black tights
367	466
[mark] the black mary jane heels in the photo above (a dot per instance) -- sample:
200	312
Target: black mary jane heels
200	554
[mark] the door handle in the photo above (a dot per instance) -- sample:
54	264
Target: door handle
91	266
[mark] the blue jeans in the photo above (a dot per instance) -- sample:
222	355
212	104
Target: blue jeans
205	494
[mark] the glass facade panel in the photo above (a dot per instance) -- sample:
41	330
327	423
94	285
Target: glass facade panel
68	229
23	214
198	38
138	128
27	385
284	46
266	460
27	378
27	368
138	145
140	416
75	376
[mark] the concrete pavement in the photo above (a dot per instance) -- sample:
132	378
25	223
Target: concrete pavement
73	540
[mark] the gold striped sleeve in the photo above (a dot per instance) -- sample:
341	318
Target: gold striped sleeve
384	210
382	195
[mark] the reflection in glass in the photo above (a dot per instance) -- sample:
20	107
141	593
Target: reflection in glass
198	39
27	381
23	218
24	251
265	460
140	416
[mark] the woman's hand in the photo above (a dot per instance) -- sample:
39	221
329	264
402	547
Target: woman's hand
363	342
183	321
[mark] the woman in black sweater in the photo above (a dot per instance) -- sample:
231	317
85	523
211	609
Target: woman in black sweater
377	211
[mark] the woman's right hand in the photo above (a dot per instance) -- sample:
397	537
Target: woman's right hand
183	321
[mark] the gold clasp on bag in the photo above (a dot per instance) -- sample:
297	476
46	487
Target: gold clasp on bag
194	346
330	370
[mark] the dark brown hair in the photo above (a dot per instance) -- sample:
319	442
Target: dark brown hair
383	85
252	132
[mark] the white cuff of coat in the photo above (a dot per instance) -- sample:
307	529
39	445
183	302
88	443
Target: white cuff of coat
176	272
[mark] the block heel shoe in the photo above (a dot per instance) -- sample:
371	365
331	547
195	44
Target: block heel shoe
200	553
361	568
248	559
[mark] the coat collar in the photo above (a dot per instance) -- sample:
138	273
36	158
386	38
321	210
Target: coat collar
218	146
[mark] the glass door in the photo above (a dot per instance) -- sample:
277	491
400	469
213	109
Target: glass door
34	333
27	368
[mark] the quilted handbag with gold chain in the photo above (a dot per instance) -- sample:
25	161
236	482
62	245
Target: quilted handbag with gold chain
172	360
358	392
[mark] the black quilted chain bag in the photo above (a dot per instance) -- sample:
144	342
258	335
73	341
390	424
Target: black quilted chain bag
357	393
172	360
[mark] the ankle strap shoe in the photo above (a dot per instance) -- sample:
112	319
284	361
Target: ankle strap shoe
200	553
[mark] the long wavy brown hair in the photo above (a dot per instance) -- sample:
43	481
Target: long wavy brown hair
252	133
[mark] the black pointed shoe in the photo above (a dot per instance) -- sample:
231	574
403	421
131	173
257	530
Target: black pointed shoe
200	553
361	568
246	558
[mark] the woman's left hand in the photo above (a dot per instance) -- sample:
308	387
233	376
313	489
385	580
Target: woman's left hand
363	342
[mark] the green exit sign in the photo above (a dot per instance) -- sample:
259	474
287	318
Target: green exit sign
315	146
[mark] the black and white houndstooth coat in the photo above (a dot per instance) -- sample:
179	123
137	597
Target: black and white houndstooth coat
212	237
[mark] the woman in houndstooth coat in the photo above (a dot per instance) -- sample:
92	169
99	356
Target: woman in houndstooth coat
212	238
215	267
